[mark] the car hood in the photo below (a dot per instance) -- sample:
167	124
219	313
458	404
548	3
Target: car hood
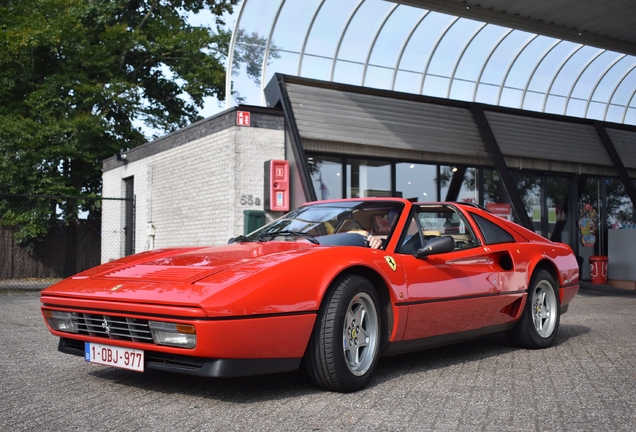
171	277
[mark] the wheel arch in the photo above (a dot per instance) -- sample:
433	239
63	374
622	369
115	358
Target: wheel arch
382	290
550	267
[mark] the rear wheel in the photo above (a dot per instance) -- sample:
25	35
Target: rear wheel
539	322
343	350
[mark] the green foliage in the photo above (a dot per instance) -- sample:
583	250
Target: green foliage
75	75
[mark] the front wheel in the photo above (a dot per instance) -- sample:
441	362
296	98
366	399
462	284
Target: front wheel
539	322
343	350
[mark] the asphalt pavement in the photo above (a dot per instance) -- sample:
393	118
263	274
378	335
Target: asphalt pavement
585	382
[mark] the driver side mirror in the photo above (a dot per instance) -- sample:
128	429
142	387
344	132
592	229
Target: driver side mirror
436	245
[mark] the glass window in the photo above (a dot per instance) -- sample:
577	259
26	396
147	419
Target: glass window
357	41
492	233
529	188
396	29
525	63
431	221
368	178
557	199
416	181
459	183
589	192
336	223
326	175
422	42
494	191
473	60
620	210
589	244
294	16
503	56
589	78
547	69
327	29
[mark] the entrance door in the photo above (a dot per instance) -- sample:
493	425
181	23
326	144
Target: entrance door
589	230
129	218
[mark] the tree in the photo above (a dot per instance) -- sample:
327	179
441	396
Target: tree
76	76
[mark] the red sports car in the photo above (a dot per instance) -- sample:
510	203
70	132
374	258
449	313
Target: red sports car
308	286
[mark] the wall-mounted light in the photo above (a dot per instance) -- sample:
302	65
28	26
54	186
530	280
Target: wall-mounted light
121	156
454	169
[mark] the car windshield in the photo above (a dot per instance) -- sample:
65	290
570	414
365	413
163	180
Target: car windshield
320	221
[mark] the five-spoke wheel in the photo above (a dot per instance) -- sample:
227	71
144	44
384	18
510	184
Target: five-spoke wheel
344	347
544	308
539	322
360	334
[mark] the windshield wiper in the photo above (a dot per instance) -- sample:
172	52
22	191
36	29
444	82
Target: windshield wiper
290	232
243	238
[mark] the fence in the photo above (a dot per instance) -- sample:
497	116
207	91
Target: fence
46	238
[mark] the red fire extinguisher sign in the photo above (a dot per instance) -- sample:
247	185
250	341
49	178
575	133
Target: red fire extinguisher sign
242	118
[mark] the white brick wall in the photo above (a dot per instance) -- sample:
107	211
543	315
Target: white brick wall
192	193
113	212
253	148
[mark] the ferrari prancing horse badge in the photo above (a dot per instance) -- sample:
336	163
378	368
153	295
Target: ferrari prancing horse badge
391	262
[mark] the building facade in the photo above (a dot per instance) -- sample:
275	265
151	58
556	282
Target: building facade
569	179
192	186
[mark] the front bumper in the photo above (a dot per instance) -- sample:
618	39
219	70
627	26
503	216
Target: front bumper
219	368
276	336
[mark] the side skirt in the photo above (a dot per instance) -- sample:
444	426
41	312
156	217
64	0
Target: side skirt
447	339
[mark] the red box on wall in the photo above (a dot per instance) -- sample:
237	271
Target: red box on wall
276	185
243	118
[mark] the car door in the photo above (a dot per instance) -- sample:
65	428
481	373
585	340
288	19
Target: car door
450	292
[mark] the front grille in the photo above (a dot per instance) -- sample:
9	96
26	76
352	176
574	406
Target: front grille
114	327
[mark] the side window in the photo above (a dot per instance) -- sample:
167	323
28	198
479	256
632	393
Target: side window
436	221
493	233
411	240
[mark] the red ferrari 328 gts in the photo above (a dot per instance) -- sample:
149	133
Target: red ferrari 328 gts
308	286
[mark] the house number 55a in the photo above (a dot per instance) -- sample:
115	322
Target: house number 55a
250	200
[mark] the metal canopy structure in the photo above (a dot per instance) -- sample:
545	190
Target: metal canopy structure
566	57
332	118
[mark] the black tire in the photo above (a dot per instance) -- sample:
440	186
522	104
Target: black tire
537	328
344	346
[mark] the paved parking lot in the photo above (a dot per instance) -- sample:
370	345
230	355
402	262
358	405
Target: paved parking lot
587	381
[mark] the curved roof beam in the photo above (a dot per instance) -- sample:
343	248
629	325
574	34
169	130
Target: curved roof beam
342	35
510	66
375	38
620	81
439	39
578	77
629	102
404	45
556	75
307	33
598	82
266	56
483	67
536	66
230	60
461	56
